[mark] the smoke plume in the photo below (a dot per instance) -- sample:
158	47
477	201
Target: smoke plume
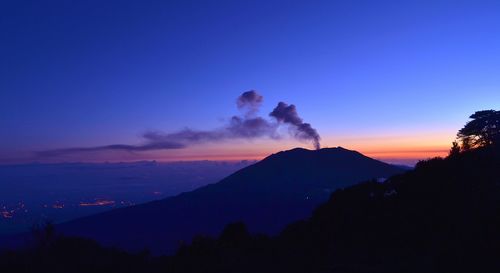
288	114
245	126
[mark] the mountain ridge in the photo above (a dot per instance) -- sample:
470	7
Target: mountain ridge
281	188
442	216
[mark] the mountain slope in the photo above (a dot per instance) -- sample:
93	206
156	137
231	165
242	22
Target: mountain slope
280	189
444	216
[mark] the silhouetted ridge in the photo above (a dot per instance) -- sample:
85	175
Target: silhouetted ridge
443	216
303	151
283	187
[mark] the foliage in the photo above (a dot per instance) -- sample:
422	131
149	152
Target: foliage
482	130
455	149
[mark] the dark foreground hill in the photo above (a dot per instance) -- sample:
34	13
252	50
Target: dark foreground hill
444	216
282	188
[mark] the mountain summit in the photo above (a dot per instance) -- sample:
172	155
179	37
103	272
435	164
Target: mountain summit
281	188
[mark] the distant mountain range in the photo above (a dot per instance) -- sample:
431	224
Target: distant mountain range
282	188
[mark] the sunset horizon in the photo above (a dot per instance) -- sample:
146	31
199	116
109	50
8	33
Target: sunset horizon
231	136
391	149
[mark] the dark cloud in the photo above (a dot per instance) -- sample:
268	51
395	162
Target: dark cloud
250	100
251	128
115	147
247	126
237	127
288	114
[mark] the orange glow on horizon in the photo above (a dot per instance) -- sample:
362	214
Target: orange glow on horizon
389	150
403	148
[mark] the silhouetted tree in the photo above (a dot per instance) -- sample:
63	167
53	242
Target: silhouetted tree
235	234
44	234
466	144
455	149
482	130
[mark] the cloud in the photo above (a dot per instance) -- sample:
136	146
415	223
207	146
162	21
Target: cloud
248	126
114	147
250	100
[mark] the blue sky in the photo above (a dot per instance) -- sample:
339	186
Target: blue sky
86	73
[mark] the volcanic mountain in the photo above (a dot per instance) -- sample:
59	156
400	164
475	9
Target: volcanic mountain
279	189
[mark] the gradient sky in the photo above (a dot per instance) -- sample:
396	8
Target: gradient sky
392	79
